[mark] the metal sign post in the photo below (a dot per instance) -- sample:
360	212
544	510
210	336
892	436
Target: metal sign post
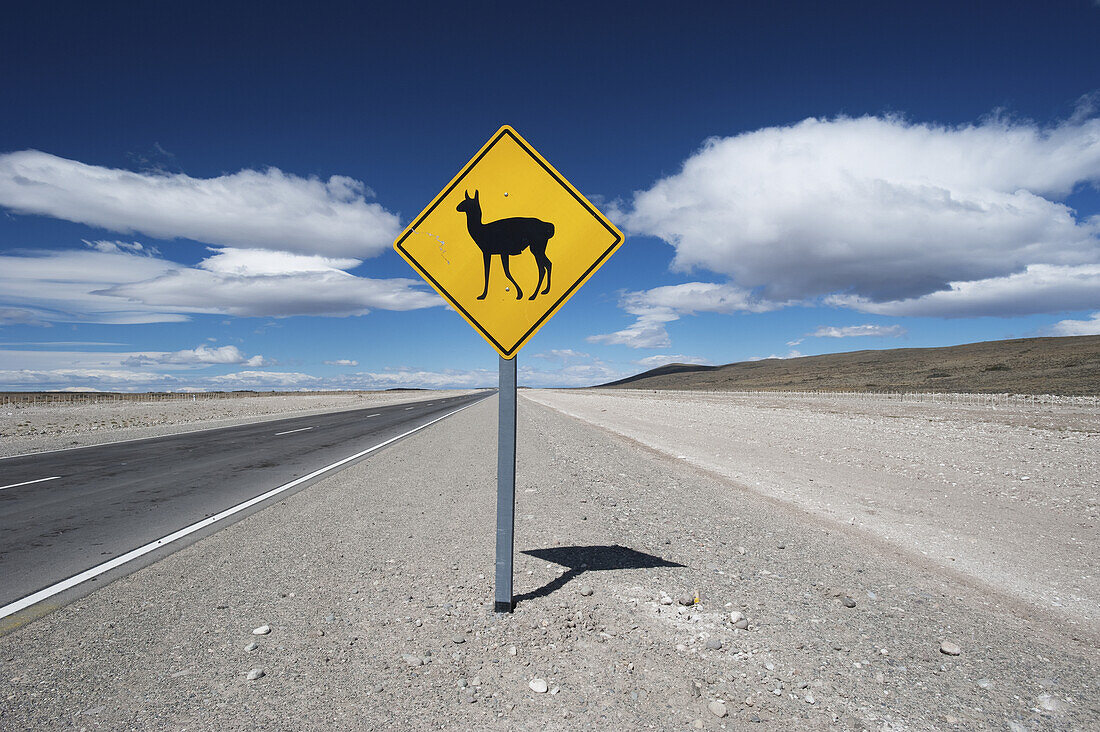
506	484
548	239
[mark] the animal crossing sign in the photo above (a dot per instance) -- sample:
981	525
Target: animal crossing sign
508	241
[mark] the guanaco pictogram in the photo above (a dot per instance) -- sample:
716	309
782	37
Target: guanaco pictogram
508	237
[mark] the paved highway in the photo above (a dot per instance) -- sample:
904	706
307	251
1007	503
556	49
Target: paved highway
65	512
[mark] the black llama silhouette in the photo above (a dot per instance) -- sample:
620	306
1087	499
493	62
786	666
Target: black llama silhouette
508	237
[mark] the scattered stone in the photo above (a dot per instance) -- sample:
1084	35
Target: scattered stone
1049	703
847	601
256	673
713	644
666	600
742	624
698	724
749	701
949	649
810	699
741	550
378	688
262	630
687	600
736	615
412	660
985	683
717	708
475	681
696	689
456	638
587	590
251	647
538	686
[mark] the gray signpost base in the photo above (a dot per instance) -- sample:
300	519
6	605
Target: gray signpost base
506	484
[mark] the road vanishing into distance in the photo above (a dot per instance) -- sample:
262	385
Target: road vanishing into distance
66	512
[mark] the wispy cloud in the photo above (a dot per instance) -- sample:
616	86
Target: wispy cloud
652	362
1040	288
342	362
656	307
855	331
125	285
266	209
881	210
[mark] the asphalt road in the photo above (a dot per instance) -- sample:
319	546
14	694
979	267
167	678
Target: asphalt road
64	512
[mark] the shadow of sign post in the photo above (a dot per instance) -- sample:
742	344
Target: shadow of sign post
581	559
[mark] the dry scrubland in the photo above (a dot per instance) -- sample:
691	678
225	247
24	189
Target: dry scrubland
1065	366
858	540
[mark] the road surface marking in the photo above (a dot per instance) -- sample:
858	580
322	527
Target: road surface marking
28	482
14	607
373	415
290	432
407	408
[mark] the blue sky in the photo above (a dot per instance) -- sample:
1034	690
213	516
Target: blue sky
205	196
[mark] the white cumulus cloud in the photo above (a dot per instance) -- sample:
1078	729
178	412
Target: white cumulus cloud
199	356
1077	327
880	209
266	209
342	362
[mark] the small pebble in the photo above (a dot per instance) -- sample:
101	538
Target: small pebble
538	686
714	644
717	708
262	630
847	601
587	590
412	660
256	673
378	688
985	683
687	600
666	600
456	638
475	681
1048	703
251	646
698	724
949	649
736	615
741	624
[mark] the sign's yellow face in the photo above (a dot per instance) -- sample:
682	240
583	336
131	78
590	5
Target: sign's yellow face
508	241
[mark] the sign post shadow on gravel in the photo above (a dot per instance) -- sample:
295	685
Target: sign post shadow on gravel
581	559
548	238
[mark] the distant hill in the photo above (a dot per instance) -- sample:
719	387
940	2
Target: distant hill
1069	366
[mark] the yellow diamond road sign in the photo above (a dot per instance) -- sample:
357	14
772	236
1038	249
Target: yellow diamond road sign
508	241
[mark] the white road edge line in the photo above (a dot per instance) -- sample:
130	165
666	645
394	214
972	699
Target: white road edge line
291	432
28	482
14	607
373	415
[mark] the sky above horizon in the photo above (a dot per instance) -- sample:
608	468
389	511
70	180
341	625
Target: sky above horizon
205	197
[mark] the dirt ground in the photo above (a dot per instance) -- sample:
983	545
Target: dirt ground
376	586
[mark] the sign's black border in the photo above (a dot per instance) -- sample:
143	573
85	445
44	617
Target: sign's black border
553	308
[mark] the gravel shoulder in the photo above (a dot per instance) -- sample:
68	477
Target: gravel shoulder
28	428
1009	497
376	587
